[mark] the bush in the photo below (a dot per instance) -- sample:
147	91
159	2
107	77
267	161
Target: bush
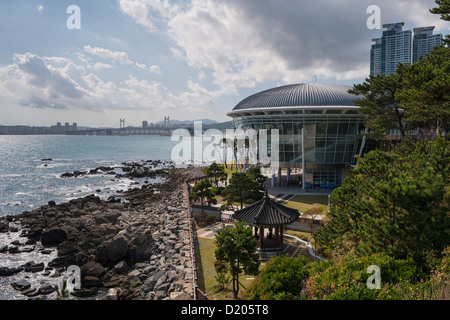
281	279
347	279
203	219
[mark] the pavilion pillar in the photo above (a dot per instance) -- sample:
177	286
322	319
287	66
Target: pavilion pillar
261	237
281	234
277	236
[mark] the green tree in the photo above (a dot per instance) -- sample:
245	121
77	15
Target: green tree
443	9
379	103
346	279
240	189
397	203
425	95
237	252
217	173
254	173
201	191
281	279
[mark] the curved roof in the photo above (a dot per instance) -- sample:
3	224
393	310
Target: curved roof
266	212
299	95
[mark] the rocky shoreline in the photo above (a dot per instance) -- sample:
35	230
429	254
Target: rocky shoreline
132	249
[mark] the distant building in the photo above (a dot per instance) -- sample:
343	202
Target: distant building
144	124
398	46
424	41
74	126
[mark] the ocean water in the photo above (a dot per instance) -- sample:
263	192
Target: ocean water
27	182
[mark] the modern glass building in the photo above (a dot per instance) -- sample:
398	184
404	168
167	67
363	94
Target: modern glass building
424	41
397	45
319	128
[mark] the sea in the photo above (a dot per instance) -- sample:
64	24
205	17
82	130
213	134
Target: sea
30	176
31	166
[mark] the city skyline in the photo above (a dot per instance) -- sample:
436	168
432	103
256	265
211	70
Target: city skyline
142	59
401	46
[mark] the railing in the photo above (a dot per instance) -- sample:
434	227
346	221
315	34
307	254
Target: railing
198	294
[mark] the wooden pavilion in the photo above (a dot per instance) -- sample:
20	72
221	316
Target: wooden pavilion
267	214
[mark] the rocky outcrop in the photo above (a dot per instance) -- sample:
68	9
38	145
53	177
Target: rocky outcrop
140	249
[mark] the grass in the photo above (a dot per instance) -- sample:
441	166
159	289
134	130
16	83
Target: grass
206	273
304	202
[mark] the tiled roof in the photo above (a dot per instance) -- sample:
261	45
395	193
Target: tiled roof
266	212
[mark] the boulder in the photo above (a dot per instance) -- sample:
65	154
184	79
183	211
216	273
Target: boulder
46	289
53	236
93	269
121	267
21	285
117	249
92	282
6	272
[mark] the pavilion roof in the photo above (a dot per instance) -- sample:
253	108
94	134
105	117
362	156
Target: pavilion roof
266	212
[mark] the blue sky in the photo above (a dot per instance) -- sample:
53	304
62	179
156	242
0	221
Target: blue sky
146	59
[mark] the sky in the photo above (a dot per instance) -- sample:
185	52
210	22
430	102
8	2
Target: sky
146	59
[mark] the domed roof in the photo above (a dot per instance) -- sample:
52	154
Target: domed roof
300	95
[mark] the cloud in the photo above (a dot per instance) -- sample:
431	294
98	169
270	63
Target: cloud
40	8
245	43
119	57
60	83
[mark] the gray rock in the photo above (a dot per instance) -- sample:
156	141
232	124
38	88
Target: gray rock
46	289
53	236
92	282
93	269
6	272
21	285
117	249
121	267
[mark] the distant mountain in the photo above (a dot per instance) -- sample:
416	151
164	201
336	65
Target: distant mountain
189	122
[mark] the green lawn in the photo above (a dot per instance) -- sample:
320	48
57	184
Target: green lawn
204	256
303	202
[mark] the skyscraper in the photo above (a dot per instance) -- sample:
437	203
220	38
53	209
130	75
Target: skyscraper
375	57
424	41
397	46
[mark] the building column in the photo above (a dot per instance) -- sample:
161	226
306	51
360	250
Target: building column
281	235
277	236
261	237
303	159
279	174
288	176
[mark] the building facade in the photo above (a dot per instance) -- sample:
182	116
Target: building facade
424	41
319	129
399	46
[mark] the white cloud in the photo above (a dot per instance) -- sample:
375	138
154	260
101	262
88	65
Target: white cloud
40	8
58	83
245	43
119	57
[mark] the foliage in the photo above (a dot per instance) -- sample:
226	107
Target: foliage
217	173
203	219
397	203
241	189
64	292
237	252
443	9
201	191
380	104
281	279
347	279
425	94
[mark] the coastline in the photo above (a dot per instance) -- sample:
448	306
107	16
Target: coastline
133	248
